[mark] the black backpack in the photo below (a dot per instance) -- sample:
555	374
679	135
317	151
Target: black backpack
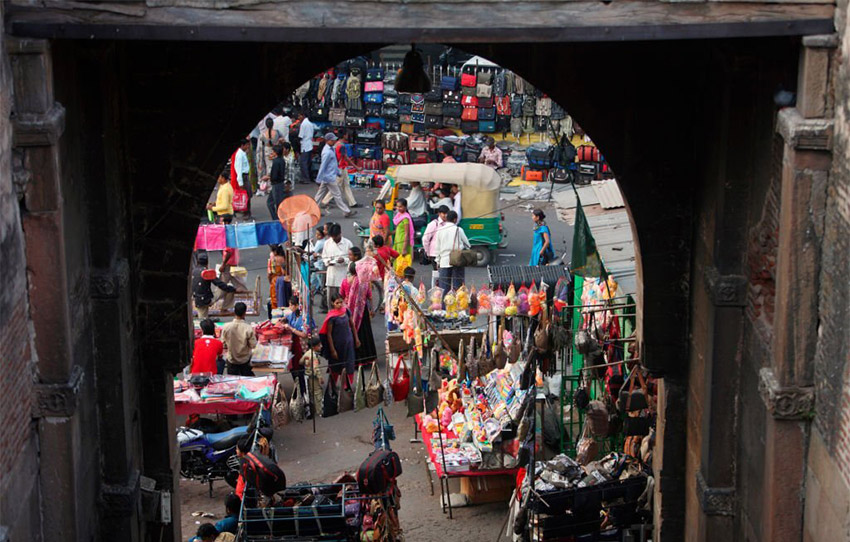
378	472
262	473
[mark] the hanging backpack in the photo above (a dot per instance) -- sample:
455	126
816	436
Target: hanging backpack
503	105
262	473
516	106
378	472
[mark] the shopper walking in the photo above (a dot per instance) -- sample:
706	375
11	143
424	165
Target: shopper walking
448	238
345	166
541	250
428	237
403	236
268	140
242	171
277	179
238	336
327	178
306	131
339	338
359	305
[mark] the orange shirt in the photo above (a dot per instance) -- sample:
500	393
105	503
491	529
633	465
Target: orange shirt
380	225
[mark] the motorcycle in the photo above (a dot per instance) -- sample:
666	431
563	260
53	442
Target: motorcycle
207	457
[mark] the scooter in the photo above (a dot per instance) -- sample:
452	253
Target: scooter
207	457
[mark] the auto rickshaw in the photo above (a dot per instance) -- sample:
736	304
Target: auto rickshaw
479	187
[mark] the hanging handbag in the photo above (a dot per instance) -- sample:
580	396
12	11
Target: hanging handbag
448	82
484	91
488	113
415	399
330	400
468	80
400	382
597	419
469	101
240	200
280	410
469	114
452	96
374	389
297	405
631	399
484	77
346	394
587	449
359	390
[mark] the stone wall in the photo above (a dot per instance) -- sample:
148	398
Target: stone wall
19	492
827	491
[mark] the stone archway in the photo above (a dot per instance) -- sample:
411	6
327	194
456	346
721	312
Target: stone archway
686	124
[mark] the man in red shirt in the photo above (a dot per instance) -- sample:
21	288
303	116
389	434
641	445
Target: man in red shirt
383	254
207	350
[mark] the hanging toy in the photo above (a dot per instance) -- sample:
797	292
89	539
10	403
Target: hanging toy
522	300
462	296
483	299
421	295
562	291
451	304
473	303
512	308
408	326
500	302
533	300
436	297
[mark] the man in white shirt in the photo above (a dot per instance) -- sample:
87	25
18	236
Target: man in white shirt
243	169
335	257
455	192
417	206
282	122
448	238
305	135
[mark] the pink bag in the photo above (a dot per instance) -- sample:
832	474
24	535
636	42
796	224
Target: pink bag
374	86
211	237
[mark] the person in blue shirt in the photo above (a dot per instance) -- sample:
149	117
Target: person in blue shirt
230	523
541	252
328	174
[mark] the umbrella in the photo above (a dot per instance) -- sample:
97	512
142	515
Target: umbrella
298	213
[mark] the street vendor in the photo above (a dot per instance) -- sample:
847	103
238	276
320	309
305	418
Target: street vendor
296	324
203	280
207	350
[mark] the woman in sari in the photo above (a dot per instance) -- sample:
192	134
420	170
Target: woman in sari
403	237
359	296
339	339
280	289
269	137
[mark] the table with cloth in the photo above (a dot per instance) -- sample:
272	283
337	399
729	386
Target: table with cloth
225	394
435	458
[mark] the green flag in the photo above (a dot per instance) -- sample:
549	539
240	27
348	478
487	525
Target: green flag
586	260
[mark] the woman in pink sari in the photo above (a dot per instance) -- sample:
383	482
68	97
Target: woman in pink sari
359	295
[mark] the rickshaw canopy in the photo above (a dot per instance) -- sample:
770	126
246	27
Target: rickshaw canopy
479	184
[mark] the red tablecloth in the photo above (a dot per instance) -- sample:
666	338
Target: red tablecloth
216	407
432	445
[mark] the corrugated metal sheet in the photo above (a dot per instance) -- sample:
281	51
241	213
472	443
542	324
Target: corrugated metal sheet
608	194
613	234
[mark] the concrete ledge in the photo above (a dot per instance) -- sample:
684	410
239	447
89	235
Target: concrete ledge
39	130
803	133
715	501
821	41
785	403
120	500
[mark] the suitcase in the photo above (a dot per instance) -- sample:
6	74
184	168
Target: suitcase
540	158
452	110
396	158
486	113
469	127
469	101
422	143
373	86
469	114
452	96
534	175
451	122
394	141
373	97
448	83
588	153
486	126
420	157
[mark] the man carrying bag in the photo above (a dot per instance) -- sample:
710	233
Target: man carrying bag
451	247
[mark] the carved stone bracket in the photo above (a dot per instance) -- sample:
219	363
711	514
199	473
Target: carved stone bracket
726	290
715	501
802	133
108	285
120	500
39	130
785	403
58	400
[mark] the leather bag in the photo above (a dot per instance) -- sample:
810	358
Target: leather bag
374	388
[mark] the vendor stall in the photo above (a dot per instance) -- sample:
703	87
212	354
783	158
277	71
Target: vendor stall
222	394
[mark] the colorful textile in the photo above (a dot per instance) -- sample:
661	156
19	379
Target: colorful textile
270	233
403	240
211	237
361	288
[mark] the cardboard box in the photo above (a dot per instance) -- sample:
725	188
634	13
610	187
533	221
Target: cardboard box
486	489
